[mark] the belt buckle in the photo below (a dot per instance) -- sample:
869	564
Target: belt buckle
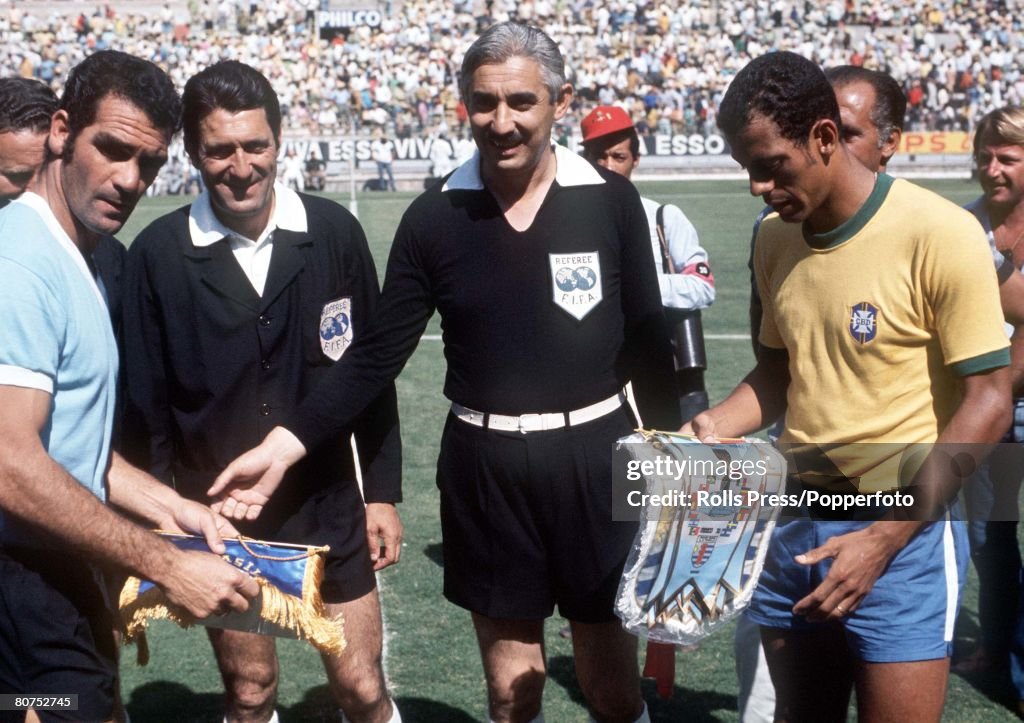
531	423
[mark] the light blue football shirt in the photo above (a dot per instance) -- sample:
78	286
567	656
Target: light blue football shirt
55	336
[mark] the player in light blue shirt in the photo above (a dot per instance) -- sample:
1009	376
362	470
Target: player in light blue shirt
58	371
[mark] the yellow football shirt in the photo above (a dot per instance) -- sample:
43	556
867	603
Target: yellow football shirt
880	317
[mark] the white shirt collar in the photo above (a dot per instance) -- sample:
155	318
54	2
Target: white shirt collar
570	170
205	228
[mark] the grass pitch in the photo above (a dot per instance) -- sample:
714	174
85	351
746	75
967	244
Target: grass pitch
432	659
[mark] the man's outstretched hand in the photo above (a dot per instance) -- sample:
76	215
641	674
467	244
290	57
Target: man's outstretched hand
245	486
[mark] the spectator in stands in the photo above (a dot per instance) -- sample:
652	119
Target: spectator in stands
441	156
382	153
293	172
316	170
677	58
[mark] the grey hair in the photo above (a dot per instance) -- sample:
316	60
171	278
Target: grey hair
514	40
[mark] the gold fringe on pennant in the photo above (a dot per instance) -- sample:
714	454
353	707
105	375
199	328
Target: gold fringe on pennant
307	618
137	610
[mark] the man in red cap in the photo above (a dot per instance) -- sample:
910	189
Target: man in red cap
684	276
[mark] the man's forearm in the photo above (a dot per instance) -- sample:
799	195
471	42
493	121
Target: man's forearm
38	491
980	421
984	413
758	400
740	413
139	493
1017	361
755	312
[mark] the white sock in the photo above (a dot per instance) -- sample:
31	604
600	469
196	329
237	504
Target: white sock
396	717
272	719
643	718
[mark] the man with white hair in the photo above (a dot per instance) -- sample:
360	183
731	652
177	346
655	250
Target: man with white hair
540	265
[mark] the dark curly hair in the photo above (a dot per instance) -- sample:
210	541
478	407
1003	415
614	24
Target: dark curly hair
111	72
231	86
784	87
25	105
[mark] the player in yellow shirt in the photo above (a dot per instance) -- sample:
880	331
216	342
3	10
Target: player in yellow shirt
900	314
881	324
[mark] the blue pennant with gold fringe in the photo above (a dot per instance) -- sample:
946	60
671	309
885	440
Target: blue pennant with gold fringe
289	604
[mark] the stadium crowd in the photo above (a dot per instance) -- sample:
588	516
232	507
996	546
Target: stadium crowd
667	63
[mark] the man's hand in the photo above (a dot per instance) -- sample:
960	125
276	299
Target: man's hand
245	486
194	518
205	585
702	427
858	560
383	534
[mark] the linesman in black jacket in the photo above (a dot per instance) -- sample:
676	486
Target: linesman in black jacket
235	307
540	266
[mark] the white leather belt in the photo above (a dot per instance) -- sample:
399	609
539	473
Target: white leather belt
538	422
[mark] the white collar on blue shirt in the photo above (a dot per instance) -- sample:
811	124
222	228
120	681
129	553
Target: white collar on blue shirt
570	170
205	228
40	206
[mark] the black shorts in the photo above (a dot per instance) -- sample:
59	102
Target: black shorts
334	516
527	520
56	633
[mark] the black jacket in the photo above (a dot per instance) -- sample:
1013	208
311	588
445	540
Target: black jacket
211	367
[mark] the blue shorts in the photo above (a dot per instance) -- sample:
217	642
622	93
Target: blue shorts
909	613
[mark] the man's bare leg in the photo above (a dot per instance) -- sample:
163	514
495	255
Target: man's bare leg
607	671
248	666
812	673
356	677
512	652
901	691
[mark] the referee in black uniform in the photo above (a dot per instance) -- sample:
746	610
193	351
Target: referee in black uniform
541	268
